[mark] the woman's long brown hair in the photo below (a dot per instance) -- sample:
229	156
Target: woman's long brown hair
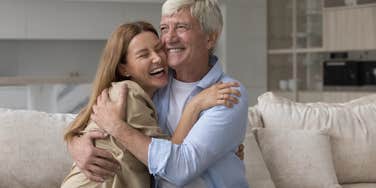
114	53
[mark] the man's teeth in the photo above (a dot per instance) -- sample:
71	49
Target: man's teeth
157	70
175	50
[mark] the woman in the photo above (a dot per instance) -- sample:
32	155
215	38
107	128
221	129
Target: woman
134	53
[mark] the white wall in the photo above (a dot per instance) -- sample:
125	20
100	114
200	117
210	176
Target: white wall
246	44
49	57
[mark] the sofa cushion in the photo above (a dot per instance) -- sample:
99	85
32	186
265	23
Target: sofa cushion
297	158
351	126
257	173
33	153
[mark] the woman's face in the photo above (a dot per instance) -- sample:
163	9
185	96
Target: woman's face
146	62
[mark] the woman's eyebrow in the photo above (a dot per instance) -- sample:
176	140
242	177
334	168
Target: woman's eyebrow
158	45
143	50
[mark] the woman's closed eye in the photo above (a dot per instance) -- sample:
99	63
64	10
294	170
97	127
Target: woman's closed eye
143	55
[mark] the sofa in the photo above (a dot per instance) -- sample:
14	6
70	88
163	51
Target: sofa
287	145
309	145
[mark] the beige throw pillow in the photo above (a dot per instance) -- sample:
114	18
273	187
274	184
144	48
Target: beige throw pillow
297	158
32	149
351	127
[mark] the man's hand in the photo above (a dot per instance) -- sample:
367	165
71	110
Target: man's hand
240	152
97	164
110	115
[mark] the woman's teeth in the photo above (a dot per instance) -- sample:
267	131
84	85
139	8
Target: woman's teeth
156	71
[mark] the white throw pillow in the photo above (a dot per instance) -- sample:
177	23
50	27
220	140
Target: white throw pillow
351	126
297	158
32	149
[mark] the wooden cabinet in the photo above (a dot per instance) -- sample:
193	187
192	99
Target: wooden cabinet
350	28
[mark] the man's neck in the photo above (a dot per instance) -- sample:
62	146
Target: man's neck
192	73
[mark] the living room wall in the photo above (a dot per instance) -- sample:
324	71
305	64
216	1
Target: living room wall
242	49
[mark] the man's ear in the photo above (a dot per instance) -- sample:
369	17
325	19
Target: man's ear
212	40
122	68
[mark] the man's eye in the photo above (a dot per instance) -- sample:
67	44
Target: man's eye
182	27
163	29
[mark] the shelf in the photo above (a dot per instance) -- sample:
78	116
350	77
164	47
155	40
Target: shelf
27	80
300	50
349	7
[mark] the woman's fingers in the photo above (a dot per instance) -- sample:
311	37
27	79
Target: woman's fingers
230	91
228	85
233	100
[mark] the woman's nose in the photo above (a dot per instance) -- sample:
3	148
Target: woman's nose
156	58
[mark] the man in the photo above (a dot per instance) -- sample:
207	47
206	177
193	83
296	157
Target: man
189	32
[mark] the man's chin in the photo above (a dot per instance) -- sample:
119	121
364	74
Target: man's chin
174	63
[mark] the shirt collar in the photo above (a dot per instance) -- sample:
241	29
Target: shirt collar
214	74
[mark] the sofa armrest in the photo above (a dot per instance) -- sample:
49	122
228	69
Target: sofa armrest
255	118
258	175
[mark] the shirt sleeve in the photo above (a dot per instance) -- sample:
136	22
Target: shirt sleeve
217	132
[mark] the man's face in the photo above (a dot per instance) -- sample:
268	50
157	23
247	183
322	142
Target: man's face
185	42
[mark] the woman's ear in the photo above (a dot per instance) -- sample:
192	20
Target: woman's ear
212	40
123	70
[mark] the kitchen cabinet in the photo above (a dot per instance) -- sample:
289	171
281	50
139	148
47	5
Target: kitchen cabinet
350	28
295	46
301	36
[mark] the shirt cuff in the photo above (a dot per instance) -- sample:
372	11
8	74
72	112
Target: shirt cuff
158	155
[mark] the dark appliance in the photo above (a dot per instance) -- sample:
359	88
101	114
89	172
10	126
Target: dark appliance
368	73
342	73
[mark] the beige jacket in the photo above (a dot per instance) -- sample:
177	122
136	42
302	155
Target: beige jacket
141	114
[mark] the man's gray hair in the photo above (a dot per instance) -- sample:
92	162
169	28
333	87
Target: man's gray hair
207	12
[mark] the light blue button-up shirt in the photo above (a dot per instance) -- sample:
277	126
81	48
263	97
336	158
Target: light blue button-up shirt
209	149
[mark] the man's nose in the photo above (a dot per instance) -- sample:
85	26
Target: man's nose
171	36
